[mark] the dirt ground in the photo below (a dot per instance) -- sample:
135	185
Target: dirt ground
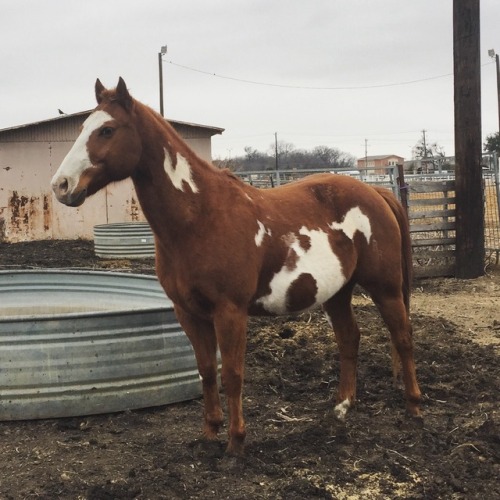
295	448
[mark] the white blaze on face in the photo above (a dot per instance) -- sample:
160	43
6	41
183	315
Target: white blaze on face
181	173
77	160
319	261
354	220
261	232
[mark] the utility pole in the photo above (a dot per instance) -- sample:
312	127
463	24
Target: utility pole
468	141
366	156
425	152
492	54
498	89
276	158
162	52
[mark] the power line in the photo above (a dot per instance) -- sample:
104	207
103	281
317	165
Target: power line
305	87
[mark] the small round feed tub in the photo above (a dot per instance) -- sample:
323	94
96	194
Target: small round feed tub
124	240
80	343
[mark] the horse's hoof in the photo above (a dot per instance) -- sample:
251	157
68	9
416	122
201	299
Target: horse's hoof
209	449
232	463
415	415
413	409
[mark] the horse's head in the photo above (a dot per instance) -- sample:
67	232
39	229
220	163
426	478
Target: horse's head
108	148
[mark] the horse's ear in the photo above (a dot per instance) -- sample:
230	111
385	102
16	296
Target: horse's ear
122	94
99	89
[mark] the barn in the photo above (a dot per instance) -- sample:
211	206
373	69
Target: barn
30	155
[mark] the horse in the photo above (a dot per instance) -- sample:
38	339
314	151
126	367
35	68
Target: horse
226	250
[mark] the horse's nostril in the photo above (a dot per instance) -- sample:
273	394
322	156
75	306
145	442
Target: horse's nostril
63	186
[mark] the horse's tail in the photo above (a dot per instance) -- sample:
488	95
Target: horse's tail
404	229
406	265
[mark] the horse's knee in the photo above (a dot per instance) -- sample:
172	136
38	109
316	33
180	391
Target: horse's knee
232	382
208	376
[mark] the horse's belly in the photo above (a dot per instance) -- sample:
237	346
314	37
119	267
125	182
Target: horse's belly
309	277
292	294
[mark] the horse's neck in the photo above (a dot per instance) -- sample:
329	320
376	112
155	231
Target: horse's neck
172	185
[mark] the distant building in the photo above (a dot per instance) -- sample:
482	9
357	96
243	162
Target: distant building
29	157
378	164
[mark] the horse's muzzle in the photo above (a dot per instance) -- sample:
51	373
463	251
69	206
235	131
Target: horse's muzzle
64	195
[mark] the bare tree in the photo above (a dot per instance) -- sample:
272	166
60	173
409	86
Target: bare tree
285	150
432	155
321	157
329	157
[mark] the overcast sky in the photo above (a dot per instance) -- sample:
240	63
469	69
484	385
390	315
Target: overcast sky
332	72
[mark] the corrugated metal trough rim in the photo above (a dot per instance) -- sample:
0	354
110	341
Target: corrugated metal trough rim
122	352
126	240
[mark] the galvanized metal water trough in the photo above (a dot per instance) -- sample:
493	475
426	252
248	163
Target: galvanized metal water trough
80	343
124	240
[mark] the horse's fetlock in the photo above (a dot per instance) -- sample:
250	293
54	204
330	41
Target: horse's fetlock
340	410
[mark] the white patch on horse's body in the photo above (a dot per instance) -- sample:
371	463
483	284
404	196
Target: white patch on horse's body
340	410
354	220
181	173
261	232
318	261
77	160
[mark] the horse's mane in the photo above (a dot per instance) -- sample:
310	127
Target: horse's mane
177	143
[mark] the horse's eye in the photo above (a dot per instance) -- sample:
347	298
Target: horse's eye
106	132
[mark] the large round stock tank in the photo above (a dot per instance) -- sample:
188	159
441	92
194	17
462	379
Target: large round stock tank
124	240
80	343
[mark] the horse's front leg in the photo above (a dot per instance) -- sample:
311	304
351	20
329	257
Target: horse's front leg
231	327
201	334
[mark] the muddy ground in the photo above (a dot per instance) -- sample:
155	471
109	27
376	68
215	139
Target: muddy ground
295	448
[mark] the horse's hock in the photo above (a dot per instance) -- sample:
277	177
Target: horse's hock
79	343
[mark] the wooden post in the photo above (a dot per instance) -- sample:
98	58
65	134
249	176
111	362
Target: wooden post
403	187
469	191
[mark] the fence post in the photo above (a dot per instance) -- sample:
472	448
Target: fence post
403	187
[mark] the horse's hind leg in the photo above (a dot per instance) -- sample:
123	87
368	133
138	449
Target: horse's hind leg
339	313
395	315
202	336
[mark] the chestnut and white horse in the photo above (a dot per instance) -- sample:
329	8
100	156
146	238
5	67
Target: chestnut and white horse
226	250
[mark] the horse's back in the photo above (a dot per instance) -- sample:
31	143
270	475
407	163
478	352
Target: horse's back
326	197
